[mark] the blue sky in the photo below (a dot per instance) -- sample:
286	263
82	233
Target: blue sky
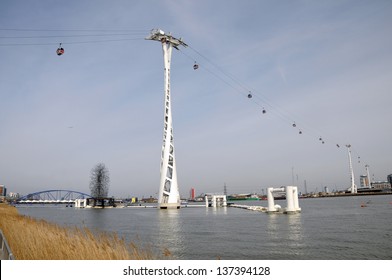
325	65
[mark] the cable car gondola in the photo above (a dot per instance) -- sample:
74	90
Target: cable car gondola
249	95
60	50
195	66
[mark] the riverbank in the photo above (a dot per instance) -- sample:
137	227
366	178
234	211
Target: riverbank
32	239
344	194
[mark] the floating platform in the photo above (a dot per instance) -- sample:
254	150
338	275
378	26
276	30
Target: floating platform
279	210
252	208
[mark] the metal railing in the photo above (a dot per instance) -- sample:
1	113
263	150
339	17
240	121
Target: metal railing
5	251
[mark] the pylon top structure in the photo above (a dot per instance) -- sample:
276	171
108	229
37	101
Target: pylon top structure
159	35
168	196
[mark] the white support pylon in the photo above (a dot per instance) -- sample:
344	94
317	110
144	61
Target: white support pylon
168	196
353	187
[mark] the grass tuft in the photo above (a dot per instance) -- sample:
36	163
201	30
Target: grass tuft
33	239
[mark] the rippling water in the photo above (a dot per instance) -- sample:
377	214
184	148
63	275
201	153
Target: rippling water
327	228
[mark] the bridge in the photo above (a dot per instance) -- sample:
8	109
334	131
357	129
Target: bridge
52	197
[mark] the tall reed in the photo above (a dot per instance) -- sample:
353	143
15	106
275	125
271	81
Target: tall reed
32	239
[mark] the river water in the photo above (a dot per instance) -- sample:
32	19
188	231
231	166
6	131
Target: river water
326	229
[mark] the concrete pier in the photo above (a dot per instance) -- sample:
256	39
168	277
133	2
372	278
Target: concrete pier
216	200
292	206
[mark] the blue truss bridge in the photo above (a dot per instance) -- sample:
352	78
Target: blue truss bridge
52	197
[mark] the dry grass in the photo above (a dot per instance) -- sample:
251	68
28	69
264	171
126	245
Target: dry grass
32	239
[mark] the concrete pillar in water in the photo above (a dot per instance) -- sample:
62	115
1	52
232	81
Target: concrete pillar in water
296	203
290	199
271	202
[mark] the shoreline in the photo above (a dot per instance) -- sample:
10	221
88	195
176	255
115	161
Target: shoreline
346	194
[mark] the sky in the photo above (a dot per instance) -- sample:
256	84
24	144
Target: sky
324	65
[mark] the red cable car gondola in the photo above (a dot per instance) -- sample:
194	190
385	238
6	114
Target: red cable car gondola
60	50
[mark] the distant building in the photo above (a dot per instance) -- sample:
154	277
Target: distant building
364	181
390	179
149	200
14	195
192	194
383	185
3	190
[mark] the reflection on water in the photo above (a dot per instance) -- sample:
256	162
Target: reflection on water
170	233
285	226
98	218
295	228
287	231
216	211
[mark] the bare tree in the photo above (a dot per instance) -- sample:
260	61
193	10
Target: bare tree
99	184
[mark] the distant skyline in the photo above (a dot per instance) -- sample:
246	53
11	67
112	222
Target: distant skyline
324	66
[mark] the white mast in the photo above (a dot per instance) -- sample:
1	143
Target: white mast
353	187
169	196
